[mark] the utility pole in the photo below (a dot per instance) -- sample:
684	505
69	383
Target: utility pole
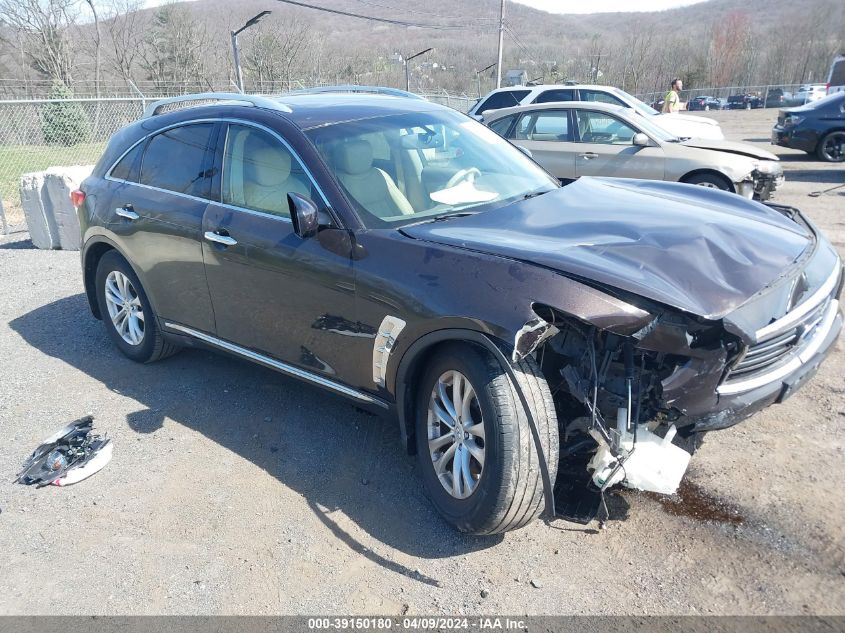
408	67
236	54
501	44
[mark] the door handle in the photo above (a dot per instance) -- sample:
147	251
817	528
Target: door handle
588	155
126	211
225	240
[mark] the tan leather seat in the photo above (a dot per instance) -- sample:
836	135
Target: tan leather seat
267	180
372	188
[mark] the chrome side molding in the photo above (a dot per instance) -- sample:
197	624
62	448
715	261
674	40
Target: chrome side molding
272	363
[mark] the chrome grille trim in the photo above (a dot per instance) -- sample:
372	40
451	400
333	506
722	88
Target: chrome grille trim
792	318
801	355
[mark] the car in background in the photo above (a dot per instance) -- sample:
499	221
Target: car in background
836	76
816	128
810	92
778	98
744	102
704	103
680	125
574	139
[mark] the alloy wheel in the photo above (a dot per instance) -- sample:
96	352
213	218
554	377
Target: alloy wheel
456	434
124	306
834	147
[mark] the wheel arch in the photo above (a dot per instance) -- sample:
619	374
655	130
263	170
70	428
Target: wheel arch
708	171
92	253
413	363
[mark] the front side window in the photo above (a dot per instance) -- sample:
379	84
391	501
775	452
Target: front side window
601	127
176	160
547	125
600	97
505	99
259	172
443	163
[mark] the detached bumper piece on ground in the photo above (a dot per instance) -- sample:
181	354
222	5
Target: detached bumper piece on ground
67	457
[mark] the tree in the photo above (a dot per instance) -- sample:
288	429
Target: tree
63	122
43	26
175	50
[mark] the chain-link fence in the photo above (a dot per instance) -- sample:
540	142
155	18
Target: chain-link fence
771	96
36	134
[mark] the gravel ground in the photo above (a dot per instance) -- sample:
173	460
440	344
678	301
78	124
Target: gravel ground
235	490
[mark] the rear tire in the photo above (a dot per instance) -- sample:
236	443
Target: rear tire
127	314
505	490
714	181
831	148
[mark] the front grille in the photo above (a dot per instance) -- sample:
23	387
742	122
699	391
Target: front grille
767	353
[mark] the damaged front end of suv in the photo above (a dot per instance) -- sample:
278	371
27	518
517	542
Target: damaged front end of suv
636	394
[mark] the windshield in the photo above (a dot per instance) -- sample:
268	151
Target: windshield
635	103
654	131
408	168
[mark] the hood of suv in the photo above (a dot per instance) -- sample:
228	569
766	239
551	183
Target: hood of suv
731	147
697	249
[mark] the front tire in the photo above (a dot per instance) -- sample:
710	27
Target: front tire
831	148
474	445
713	181
127	314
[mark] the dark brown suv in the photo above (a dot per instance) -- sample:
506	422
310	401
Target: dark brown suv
401	254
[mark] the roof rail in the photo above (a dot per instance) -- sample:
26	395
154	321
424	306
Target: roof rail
254	100
393	92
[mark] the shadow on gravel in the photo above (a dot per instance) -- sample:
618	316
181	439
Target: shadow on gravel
337	456
19	245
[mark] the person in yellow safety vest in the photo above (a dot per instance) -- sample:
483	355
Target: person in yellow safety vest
672	100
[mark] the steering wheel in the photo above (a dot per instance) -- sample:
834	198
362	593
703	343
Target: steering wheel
464	174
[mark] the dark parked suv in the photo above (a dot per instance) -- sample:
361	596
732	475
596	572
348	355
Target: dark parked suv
816	128
403	255
744	102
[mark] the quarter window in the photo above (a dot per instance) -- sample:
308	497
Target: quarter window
501	126
127	168
600	127
176	160
505	99
259	172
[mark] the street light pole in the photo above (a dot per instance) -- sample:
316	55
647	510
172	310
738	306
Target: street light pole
501	45
478	77
236	54
408	67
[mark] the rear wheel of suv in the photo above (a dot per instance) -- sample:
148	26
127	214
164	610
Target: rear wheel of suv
126	312
832	147
714	181
474	445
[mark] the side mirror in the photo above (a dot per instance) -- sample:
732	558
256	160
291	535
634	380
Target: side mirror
640	140
305	216
525	151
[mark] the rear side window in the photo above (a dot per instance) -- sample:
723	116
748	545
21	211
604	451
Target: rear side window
176	160
547	125
556	95
506	99
128	166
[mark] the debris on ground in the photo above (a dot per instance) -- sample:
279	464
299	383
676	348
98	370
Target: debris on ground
67	457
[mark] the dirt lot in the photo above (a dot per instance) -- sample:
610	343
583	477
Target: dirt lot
236	490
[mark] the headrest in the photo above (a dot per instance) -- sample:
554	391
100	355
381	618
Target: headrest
270	166
354	157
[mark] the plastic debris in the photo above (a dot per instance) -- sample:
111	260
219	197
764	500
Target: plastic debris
68	456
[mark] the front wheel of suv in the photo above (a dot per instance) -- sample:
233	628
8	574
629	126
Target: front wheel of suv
474	445
832	147
126	312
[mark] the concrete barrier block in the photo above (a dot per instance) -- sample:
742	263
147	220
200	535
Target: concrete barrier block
50	216
40	223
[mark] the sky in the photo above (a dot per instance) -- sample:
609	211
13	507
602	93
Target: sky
579	6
